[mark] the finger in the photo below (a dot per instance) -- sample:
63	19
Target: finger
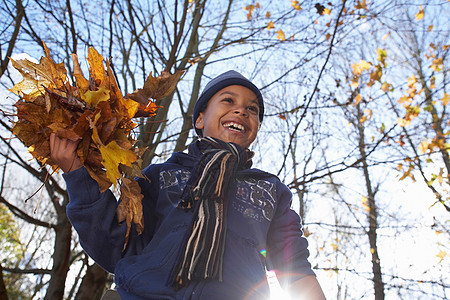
52	141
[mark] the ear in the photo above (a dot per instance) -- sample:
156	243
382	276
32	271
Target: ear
199	122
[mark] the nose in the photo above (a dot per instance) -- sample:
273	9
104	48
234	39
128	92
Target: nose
240	110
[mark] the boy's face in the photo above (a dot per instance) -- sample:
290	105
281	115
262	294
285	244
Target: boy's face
232	115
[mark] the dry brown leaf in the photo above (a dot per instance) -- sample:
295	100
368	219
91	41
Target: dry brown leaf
93	111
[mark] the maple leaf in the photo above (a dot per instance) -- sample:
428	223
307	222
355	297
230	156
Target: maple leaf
96	67
358	68
92	98
381	56
156	87
445	100
113	155
361	5
295	5
36	76
441	255
280	35
385	87
130	206
92	111
320	8
270	25
420	14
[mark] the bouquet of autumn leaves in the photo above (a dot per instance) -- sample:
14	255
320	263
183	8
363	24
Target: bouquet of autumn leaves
94	112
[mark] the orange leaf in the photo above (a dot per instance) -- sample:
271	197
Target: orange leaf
96	67
361	5
156	87
280	35
130	206
445	99
37	76
358	68
92	111
295	5
82	83
420	14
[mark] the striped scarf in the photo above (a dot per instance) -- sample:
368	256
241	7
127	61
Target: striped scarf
201	253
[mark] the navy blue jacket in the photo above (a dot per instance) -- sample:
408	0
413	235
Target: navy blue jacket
260	220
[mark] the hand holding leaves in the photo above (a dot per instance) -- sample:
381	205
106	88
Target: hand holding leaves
92	117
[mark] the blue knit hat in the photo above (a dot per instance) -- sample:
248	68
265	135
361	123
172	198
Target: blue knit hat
223	80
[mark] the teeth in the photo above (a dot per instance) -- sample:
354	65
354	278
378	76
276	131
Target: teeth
234	126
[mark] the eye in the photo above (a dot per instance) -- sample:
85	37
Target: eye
253	108
229	100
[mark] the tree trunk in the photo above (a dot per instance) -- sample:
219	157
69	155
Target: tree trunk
93	285
3	294
61	257
372	214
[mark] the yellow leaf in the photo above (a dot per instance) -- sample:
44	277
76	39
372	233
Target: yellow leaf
372	250
335	247
280	35
420	14
385	36
438	64
412	80
358	68
112	156
433	82
404	99
445	99
326	11
270	25
355	81
295	5
358	99
328	36
267	14
365	205
96	67
385	87
402	122
423	147
441	255
440	177
430	28
381	55
94	97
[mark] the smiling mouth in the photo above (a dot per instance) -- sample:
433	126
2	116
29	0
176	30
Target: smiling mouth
234	126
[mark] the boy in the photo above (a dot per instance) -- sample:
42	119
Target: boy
212	225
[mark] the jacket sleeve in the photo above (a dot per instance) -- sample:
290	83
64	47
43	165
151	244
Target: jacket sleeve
93	215
287	248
